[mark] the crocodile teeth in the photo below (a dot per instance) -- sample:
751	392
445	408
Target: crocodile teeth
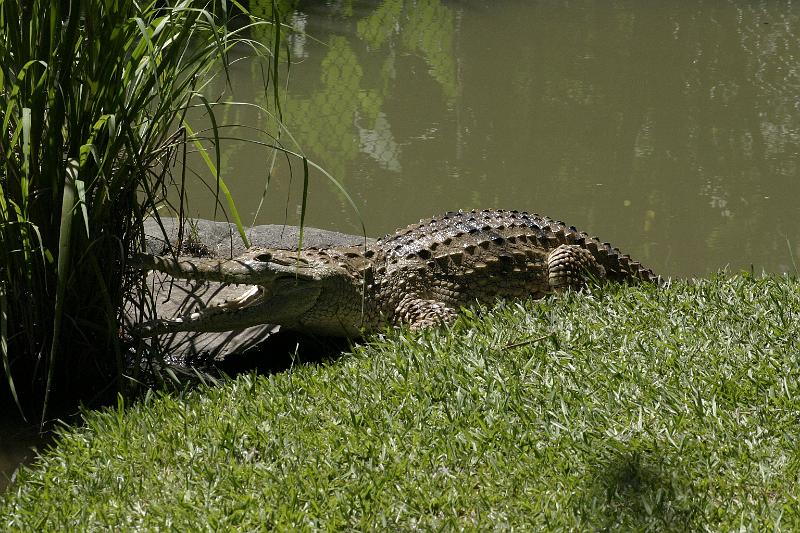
249	297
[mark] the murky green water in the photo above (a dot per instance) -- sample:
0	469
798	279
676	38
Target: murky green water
670	129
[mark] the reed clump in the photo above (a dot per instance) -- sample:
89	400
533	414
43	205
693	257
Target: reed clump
93	107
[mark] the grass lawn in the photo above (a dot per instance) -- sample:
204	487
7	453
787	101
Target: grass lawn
643	408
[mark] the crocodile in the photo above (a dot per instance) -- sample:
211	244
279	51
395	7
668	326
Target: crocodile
420	275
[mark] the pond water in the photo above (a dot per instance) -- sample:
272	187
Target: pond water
18	444
671	130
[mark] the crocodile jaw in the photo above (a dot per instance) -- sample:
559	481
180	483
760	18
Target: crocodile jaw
283	304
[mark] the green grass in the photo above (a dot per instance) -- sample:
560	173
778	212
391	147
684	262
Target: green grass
633	408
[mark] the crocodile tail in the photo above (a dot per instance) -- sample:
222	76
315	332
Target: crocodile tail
619	266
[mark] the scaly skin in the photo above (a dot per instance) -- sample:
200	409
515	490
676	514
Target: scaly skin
420	275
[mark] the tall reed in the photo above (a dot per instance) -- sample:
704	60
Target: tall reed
93	107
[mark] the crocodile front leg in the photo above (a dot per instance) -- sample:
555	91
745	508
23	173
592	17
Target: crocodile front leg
571	266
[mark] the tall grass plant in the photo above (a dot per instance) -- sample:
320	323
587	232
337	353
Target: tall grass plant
93	107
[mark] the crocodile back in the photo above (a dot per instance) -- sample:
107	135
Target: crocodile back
466	230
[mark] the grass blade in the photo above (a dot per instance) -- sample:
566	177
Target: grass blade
223	187
4	347
65	234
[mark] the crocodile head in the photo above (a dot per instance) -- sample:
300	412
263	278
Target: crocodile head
287	288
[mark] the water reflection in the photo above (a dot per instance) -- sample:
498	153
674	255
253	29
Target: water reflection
671	129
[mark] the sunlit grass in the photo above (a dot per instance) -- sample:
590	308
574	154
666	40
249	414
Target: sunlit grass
625	408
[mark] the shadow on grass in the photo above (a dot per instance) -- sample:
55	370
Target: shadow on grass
283	350
636	489
279	352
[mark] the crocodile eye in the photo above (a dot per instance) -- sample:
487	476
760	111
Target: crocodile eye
264	258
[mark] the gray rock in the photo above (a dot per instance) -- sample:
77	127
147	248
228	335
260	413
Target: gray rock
223	239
